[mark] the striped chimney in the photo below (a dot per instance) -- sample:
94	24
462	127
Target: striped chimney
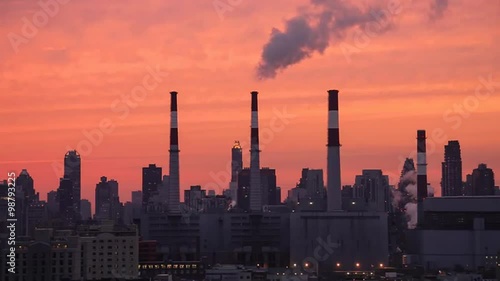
333	153
255	186
421	174
173	189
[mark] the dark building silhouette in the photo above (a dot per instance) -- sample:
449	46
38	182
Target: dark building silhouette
481	182
236	166
243	201
25	196
312	181
372	186
107	201
451	181
151	178
310	193
72	171
85	209
65	196
193	198
236	161
269	189
347	191
4	231
25	183
52	203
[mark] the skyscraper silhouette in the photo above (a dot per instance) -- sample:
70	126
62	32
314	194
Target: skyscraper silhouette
236	161
72	171
451	181
66	201
482	181
151	178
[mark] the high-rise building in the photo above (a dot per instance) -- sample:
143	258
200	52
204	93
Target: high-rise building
151	178
137	197
25	195
373	187
65	197
107	201
309	193
4	231
481	182
37	216
312	181
268	182
25	183
236	167
52	203
243	197
451	180
72	171
85	209
268	189
193	198
236	161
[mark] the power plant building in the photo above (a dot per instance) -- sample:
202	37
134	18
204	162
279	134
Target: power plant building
460	231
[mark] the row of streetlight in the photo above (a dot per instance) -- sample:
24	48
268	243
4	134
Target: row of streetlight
306	265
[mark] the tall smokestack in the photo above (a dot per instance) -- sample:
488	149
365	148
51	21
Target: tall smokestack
255	188
421	175
333	153
173	190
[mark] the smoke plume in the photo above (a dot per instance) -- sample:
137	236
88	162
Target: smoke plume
312	31
438	7
324	23
430	191
411	214
409	189
406	197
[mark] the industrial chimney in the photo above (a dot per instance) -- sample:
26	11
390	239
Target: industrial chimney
173	189
421	175
255	187
333	153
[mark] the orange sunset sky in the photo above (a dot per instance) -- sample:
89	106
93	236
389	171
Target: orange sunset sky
71	73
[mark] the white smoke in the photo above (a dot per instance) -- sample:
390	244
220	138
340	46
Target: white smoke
410	176
409	194
430	191
412	191
231	205
411	214
397	196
